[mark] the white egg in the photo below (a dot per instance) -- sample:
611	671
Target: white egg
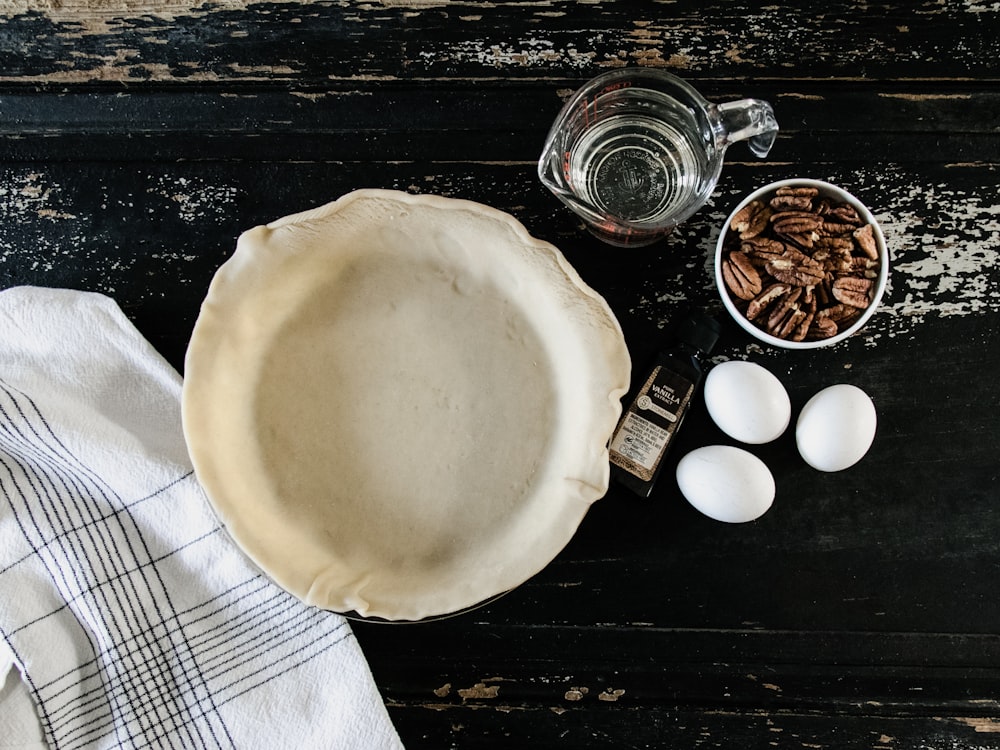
726	483
836	427
747	402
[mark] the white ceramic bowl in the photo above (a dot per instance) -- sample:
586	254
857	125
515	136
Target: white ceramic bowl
834	193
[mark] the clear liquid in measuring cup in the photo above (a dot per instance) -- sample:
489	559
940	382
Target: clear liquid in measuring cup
639	163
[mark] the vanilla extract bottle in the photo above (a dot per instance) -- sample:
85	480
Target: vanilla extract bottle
647	429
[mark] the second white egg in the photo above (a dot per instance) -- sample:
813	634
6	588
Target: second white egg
836	427
747	402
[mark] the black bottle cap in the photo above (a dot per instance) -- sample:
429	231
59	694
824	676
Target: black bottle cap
699	330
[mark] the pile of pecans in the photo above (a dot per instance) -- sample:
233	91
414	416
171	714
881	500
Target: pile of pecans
800	266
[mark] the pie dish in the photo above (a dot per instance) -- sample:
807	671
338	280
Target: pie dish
398	405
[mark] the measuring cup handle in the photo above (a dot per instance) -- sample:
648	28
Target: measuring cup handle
750	120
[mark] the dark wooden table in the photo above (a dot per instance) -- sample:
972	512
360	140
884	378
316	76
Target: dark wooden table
863	611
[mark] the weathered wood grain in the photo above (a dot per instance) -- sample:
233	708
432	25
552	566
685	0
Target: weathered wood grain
314	43
820	122
139	139
666	726
179	221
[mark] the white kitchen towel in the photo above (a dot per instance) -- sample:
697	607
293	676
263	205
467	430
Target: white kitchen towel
132	617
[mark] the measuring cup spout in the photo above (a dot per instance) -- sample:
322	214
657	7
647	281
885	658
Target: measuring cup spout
750	120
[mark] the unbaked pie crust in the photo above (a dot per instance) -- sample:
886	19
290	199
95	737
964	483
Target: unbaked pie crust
400	405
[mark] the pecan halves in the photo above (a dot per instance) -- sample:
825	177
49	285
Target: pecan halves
837	229
801	227
801	265
787	201
846	213
864	267
740	275
834	254
789	315
764	300
841	314
762	249
796	192
821	327
751	220
834	244
853	291
865	238
796	222
795	268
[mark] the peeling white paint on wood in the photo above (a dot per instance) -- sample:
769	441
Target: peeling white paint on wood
195	199
77	9
944	249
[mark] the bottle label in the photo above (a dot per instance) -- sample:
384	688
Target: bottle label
645	431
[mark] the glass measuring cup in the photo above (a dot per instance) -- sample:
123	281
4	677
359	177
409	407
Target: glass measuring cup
636	151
